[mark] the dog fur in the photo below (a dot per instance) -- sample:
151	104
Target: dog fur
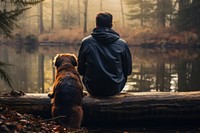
67	91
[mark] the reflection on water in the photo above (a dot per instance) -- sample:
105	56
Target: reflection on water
168	70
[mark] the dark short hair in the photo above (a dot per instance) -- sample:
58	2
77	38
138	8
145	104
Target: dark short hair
104	20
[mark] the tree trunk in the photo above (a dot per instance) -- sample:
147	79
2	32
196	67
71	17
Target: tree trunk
122	12
141	13
41	25
52	14
161	12
85	16
79	13
126	107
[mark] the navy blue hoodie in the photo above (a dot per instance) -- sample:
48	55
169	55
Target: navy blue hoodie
105	61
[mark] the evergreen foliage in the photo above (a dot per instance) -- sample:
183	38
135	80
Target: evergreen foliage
142	10
189	18
147	11
10	10
165	11
4	75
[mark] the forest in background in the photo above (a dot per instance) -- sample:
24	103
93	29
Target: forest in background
138	21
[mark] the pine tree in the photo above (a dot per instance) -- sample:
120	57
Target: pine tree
161	11
189	18
142	10
9	12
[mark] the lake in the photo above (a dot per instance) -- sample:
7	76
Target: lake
154	69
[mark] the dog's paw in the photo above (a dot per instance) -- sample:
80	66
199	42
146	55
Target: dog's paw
85	93
50	95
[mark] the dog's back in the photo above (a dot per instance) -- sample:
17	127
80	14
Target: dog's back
68	88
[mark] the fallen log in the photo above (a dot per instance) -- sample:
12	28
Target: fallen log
123	108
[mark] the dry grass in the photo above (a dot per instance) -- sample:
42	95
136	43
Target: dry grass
69	36
132	36
152	35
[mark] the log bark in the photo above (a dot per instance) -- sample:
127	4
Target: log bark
37	104
144	107
123	108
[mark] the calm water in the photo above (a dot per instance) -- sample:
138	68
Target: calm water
169	70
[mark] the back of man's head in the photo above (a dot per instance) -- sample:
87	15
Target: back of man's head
104	20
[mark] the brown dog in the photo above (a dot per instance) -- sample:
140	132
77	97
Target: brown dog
67	91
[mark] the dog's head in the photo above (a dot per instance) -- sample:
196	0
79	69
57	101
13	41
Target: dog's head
60	59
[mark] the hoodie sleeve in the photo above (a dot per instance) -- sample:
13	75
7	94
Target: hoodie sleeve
81	61
127	61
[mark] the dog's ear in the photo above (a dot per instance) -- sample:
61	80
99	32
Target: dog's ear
73	60
57	61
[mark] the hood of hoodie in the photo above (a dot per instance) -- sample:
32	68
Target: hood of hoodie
105	35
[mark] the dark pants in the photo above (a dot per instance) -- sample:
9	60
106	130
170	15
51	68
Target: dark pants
104	89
